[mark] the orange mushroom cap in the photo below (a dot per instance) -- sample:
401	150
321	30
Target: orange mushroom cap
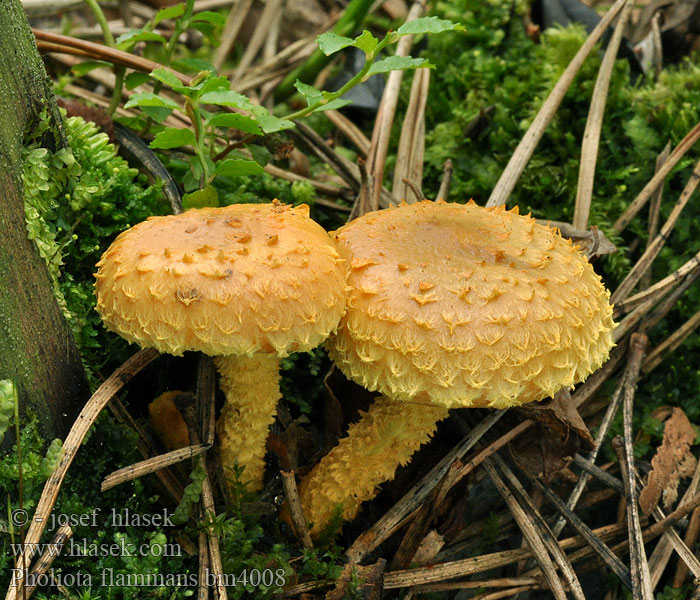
242	279
461	306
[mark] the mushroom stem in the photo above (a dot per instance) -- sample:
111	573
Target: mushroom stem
382	440
251	387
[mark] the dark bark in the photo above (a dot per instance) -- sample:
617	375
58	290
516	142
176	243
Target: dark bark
37	350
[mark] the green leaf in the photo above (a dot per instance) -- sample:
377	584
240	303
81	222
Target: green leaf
193	65
240	122
173	138
169	12
157	113
208	16
150	99
333	105
260	154
226	98
135	79
429	25
366	42
167	77
269	123
128	39
82	68
330	42
232	167
397	63
201	198
310	93
215	83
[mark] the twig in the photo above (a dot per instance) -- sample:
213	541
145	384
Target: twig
603	476
594	124
526	147
444	190
654	248
295	511
203	588
477	584
600	548
417	192
654	209
531	534
151	465
115	382
351	131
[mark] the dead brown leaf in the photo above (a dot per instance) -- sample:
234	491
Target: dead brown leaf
559	433
671	462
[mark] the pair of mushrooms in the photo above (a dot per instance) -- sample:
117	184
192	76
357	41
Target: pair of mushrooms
434	305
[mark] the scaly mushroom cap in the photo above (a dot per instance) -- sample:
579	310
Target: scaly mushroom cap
463	306
236	280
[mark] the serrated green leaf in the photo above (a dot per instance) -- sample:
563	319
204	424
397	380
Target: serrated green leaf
209	16
240	122
135	79
226	98
82	68
232	167
397	63
215	83
366	42
167	77
201	198
193	65
428	25
269	123
173	138
127	40
330	42
150	99
169	12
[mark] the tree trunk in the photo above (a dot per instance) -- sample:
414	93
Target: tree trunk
37	350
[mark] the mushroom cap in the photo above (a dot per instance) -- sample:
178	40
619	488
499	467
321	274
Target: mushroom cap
463	306
241	279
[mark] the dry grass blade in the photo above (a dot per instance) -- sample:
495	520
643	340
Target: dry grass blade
73	441
531	534
295	512
654	209
409	156
323	188
392	519
151	465
203	589
660	287
506	593
376	159
671	343
233	25
526	147
691	535
601	475
654	248
351	131
479	584
638	203
594	125
206	398
272	7
45	561
601	549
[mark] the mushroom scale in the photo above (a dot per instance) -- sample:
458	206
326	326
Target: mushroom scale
453	305
247	283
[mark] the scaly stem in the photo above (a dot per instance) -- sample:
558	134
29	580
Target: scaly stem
382	440
251	387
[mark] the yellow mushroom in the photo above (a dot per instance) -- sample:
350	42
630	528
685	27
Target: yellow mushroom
248	283
451	306
167	422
